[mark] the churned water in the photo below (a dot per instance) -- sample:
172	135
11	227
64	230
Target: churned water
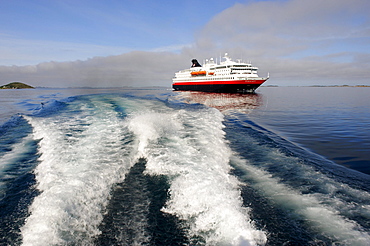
284	166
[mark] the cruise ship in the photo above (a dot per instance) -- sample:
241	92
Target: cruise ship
227	76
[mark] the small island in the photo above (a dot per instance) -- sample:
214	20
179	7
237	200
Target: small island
16	85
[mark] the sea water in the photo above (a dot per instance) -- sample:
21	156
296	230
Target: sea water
284	166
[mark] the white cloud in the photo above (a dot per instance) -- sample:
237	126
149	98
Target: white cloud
296	39
281	27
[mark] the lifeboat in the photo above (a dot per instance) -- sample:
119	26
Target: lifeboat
198	73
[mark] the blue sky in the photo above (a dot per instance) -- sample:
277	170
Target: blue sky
87	43
38	31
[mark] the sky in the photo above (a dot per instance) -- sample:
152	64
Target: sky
67	43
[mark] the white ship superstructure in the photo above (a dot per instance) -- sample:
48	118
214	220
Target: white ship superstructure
228	76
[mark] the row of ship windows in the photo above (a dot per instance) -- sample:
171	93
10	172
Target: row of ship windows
230	66
227	71
233	67
243	69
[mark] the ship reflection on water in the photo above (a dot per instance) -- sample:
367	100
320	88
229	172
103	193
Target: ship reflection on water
225	101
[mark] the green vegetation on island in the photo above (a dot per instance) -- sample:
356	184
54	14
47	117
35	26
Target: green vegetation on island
16	85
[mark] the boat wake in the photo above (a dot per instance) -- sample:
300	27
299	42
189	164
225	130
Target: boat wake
189	148
88	153
123	170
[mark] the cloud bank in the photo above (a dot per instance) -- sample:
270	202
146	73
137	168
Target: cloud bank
136	69
324	41
299	42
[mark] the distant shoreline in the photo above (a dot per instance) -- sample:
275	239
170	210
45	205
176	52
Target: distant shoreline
16	85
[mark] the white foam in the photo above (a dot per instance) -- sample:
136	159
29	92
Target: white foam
10	158
189	147
17	149
82	157
322	218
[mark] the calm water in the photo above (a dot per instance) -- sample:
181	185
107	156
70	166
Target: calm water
285	166
331	121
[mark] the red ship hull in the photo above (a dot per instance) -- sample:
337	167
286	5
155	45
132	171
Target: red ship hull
231	86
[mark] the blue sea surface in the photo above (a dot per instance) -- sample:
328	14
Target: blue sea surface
331	121
149	166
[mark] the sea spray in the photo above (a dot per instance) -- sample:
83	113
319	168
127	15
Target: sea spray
81	158
189	147
323	214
